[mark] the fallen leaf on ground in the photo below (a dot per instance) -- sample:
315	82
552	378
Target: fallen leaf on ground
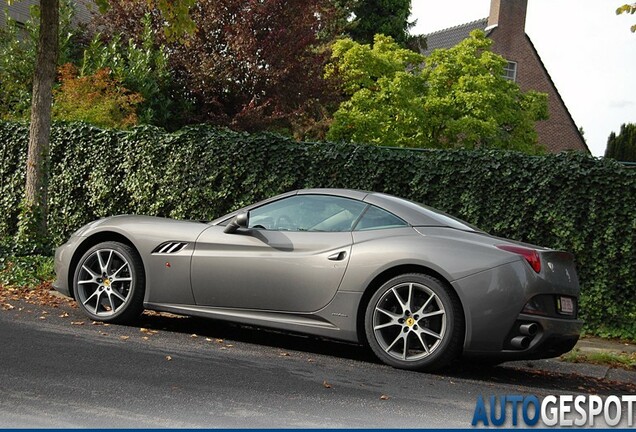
145	338
103	333
42	317
77	322
64	315
7	306
208	340
147	331
124	337
384	397
193	336
229	345
325	384
219	340
169	358
284	354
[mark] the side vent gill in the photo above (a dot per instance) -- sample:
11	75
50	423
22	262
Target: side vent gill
170	247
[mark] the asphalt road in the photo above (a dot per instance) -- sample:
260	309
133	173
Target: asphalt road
58	369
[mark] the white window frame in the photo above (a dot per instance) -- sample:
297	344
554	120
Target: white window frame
511	66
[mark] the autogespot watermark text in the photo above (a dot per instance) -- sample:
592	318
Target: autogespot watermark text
561	410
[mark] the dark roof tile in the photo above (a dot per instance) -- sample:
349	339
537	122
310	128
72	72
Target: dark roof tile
450	37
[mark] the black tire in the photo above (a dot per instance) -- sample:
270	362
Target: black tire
428	338
109	283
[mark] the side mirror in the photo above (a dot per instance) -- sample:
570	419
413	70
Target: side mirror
241	220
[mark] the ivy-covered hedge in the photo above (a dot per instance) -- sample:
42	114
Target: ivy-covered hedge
566	201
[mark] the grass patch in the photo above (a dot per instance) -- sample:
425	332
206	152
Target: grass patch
606	358
26	271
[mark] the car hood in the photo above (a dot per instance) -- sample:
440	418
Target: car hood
135	225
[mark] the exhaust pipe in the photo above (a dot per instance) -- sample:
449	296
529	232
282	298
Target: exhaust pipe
520	342
529	329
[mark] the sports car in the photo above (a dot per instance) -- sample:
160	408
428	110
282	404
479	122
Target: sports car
419	287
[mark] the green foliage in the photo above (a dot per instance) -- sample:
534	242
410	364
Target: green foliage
387	17
568	201
25	271
361	66
17	270
629	8
140	67
31	238
175	15
608	358
17	58
456	97
387	90
99	99
250	65
622	147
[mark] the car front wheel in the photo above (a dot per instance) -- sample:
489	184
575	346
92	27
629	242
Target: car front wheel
413	322
109	283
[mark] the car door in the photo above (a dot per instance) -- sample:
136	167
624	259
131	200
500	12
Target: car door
292	257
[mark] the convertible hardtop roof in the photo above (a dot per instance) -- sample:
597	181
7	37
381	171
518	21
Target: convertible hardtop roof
413	213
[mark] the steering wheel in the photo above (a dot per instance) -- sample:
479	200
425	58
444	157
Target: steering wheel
284	223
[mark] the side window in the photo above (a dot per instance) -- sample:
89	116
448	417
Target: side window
307	213
376	218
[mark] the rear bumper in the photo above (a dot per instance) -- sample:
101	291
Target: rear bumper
553	338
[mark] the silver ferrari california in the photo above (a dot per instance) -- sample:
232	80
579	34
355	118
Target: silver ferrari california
419	287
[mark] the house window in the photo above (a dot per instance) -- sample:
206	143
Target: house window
510	71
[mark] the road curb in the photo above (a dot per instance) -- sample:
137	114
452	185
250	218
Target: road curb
600	372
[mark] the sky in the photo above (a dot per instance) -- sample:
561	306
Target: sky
588	50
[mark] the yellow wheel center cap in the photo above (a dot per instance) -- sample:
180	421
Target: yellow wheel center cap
410	322
106	282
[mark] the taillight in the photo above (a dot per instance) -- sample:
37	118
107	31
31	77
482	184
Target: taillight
531	255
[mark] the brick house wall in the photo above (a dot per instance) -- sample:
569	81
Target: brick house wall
505	26
506	23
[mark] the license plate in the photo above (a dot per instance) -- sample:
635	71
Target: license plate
565	305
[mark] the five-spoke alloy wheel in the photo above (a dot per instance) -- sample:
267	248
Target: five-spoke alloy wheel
413	322
109	283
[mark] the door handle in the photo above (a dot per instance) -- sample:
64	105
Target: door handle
338	256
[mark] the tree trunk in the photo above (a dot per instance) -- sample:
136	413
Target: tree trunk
35	204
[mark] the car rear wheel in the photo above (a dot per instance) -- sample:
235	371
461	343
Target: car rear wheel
414	322
109	283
